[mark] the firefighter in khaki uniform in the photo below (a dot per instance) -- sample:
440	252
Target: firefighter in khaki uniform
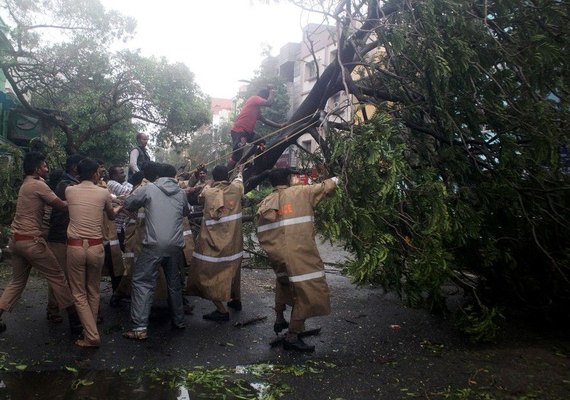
286	232
215	266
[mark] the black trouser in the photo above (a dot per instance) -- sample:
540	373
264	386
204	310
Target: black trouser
237	147
115	280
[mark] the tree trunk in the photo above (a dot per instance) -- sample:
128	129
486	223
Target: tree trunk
328	84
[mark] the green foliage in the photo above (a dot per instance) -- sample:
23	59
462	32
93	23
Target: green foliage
481	325
10	179
210	145
459	177
86	18
396	218
232	383
174	99
112	147
257	256
93	95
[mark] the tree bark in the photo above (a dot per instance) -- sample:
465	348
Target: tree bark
307	115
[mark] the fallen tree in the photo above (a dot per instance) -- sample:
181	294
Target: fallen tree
461	174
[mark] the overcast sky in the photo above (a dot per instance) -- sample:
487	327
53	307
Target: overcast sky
219	40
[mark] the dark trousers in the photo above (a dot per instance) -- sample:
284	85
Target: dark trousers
237	145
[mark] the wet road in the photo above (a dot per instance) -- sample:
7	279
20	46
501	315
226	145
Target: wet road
372	345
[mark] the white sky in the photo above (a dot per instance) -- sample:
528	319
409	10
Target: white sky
219	40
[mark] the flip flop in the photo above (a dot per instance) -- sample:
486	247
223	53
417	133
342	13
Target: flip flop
135	335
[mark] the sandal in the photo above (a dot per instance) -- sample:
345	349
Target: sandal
85	344
136	335
54	318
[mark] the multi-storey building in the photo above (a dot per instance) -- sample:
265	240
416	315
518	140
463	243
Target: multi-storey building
222	111
300	64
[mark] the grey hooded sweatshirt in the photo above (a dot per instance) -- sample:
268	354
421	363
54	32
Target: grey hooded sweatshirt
165	205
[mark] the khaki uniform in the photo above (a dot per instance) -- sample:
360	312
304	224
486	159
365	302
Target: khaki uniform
132	247
85	253
187	229
219	248
286	232
188	241
29	248
110	237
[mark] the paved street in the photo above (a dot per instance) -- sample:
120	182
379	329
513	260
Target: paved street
371	347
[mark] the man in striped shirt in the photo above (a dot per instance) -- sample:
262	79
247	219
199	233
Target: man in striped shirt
119	188
285	230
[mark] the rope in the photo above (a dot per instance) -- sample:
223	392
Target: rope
278	143
225	156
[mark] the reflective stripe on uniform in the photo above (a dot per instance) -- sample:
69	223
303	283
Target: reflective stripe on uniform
307	277
140	215
229	218
114	242
217	259
285	222
128	255
187	233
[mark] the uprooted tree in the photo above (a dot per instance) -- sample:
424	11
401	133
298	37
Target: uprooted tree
460	175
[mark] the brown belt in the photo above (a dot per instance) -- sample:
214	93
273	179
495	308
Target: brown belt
18	237
79	242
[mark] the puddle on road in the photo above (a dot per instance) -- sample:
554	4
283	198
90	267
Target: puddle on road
121	386
254	382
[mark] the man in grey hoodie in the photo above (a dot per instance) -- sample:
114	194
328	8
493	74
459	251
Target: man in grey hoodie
165	205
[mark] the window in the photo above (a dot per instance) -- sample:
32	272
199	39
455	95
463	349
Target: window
336	100
332	56
310	70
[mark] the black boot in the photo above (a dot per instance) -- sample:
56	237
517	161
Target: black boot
279	326
298	345
235	304
217	316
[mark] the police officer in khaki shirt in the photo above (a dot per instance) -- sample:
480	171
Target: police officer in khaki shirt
85	253
28	247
